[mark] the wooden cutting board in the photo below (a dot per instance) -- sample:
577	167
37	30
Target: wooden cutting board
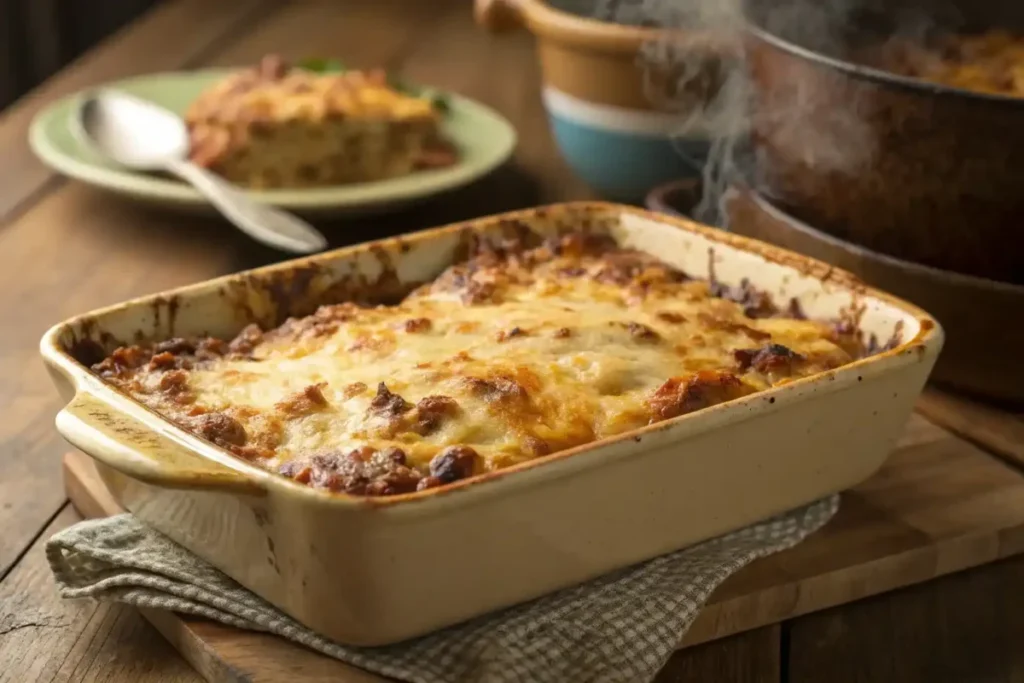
997	429
939	505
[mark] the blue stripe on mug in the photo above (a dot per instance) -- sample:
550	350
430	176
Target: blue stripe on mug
619	152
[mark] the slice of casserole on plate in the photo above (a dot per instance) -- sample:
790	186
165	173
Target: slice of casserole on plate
280	126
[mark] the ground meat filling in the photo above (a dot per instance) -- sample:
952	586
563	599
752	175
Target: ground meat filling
367	471
505	335
432	411
642	332
309	400
415	325
122	361
454	463
362	471
773	359
246	341
388	404
682	395
221	429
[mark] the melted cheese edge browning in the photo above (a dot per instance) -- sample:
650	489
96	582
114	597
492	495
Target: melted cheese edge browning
510	357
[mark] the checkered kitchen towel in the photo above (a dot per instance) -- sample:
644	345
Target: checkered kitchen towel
620	628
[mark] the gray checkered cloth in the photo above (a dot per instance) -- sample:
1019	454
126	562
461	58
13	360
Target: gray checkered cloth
622	627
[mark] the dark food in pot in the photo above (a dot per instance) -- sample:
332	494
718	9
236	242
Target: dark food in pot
926	174
990	62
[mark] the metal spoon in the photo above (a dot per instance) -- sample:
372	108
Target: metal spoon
143	136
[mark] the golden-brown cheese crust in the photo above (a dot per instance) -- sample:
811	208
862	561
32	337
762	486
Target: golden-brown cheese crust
512	355
275	126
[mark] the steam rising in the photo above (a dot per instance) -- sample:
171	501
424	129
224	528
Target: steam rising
699	69
696	72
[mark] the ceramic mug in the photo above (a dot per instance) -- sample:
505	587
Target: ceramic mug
614	115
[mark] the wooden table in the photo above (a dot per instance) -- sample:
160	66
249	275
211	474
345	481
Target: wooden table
65	248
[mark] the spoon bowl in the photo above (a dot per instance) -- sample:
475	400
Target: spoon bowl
132	132
143	136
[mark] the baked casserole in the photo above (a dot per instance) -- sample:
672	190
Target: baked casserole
353	567
520	351
281	126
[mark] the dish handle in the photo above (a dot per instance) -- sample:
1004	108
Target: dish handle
499	16
137	451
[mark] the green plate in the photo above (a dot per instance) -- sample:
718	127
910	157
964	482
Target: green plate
484	138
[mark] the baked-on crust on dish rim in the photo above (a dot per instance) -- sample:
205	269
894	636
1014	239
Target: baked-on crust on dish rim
517	353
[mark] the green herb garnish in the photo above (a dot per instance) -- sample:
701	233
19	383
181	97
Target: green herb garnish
441	102
322	66
438	100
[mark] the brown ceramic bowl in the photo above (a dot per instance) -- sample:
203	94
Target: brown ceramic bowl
919	171
981	317
676	198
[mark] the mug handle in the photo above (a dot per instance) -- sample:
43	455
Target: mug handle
499	16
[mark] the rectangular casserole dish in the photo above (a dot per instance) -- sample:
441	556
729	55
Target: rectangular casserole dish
372	571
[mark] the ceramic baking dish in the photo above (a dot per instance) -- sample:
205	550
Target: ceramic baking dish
371	571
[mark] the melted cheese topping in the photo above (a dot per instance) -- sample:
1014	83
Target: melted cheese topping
514	355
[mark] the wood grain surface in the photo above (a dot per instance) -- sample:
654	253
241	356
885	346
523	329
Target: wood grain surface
997	429
44	638
964	628
939	505
66	248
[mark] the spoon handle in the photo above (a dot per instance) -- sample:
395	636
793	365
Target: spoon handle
261	222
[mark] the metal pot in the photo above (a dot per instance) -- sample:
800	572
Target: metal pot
919	171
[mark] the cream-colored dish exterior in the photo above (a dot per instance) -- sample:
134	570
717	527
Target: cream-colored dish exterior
370	571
